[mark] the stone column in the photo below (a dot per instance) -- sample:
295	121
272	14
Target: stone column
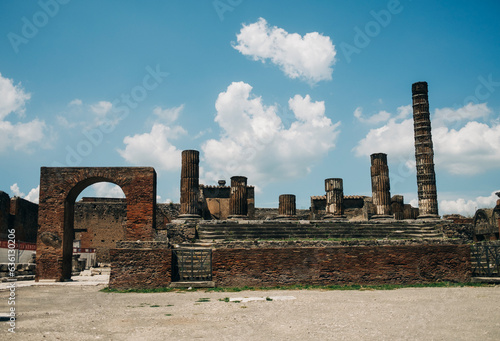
238	204
287	206
334	198
424	153
397	207
380	185
190	186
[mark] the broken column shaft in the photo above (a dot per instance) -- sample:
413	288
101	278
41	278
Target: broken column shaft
380	185
287	206
334	197
238	203
424	153
190	186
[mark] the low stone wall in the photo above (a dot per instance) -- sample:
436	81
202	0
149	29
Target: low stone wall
341	265
138	268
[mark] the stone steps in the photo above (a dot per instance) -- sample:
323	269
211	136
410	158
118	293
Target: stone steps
319	230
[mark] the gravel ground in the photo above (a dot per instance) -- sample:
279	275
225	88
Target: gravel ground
70	312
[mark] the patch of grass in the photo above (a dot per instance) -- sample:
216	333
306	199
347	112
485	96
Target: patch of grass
154	306
307	287
269	298
225	299
168	314
351	287
243	306
204	299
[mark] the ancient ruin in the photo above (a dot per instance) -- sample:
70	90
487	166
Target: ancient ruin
217	237
424	153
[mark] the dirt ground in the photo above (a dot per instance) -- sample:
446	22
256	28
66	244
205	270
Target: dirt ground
66	312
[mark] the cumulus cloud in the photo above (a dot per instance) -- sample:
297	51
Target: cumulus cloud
76	102
106	190
309	58
101	107
469	149
255	143
381	116
467	207
12	98
169	114
32	195
155	148
19	136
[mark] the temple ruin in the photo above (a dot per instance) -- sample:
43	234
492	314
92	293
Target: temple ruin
217	237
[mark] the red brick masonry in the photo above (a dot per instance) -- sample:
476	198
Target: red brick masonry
140	268
341	265
405	264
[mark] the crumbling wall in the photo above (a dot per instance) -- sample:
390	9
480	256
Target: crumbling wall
341	265
140	265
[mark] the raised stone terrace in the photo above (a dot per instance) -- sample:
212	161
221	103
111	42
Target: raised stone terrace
209	231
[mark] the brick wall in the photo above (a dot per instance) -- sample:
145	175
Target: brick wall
4	215
341	265
140	268
24	215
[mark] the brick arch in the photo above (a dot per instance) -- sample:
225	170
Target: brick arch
59	188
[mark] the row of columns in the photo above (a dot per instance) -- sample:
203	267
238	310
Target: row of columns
190	189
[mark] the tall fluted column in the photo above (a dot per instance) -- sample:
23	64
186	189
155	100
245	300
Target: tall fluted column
334	198
380	185
238	203
287	206
424	153
190	187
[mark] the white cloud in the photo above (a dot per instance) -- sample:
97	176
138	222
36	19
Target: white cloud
381	116
255	143
310	57
169	114
468	150
17	136
76	102
32	195
107	190
154	148
22	136
467	207
12	98
101	107
14	189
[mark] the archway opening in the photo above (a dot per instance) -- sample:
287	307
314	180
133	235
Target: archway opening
95	220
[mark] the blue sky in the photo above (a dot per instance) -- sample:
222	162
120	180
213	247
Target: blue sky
287	93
